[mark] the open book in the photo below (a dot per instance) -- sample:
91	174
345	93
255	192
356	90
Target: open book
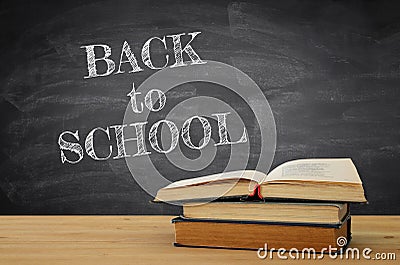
333	179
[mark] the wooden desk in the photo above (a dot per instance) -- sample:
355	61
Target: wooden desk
148	240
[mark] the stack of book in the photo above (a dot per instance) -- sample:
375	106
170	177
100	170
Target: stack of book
300	204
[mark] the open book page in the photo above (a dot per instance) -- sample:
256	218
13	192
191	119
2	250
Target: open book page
233	175
319	169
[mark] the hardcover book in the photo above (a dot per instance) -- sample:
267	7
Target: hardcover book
295	212
193	232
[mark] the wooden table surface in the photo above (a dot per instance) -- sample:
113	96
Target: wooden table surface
148	240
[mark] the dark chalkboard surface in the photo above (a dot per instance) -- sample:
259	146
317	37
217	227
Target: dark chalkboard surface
329	69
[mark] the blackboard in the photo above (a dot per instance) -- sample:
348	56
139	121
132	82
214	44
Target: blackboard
329	69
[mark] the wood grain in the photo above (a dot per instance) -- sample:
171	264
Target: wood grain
148	240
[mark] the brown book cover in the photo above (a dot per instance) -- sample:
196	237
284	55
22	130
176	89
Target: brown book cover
192	232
